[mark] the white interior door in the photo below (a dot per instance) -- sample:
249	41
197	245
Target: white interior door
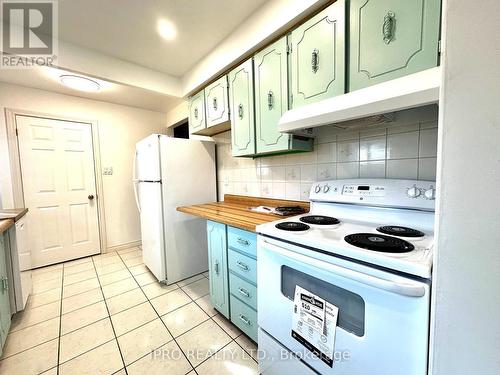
57	165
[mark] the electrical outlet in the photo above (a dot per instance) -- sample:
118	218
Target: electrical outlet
108	171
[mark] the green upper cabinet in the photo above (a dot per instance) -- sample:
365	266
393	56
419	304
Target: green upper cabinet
317	58
217	266
197	112
5	314
391	38
271	97
241	99
216	102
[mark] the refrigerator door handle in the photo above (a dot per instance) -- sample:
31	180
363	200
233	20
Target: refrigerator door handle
135	182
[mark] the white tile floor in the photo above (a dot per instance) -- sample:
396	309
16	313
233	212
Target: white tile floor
108	315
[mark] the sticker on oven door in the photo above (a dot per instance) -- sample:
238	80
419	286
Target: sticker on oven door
313	324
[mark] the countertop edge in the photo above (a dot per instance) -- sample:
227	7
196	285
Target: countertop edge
5	225
14	213
231	222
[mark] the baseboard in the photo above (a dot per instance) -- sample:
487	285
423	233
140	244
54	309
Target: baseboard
124	246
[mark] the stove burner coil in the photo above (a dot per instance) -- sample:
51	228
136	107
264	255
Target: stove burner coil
379	242
400	231
292	226
319	220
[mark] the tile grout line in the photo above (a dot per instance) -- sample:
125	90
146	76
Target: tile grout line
60	323
170	333
111	322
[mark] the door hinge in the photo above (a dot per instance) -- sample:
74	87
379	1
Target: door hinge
291	100
288	48
439	46
17	133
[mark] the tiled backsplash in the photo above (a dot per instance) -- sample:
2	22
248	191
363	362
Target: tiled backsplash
405	148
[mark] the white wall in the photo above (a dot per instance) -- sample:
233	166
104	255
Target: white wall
269	20
120	127
466	313
178	113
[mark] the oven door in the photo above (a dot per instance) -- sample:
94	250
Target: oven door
383	318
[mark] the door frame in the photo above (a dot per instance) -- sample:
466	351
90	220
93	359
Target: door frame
15	162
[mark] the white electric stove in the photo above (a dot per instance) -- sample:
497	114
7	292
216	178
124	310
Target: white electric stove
365	247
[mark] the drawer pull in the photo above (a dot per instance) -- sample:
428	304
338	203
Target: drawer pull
244	292
242	241
245	320
388	27
242	265
217	268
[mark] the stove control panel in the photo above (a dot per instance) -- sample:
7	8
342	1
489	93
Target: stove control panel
364	190
412	194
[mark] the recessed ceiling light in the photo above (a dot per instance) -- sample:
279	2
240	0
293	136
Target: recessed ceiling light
167	30
80	83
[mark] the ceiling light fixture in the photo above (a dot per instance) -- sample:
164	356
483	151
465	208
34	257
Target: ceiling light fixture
79	83
167	30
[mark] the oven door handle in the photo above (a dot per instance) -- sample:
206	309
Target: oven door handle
409	289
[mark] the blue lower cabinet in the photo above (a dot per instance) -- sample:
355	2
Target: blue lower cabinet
217	267
232	256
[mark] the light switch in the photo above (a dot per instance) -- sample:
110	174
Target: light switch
108	171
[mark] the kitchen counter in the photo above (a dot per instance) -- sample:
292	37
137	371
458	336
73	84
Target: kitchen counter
5	224
13	213
235	210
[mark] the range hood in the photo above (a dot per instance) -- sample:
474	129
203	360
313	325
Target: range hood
374	102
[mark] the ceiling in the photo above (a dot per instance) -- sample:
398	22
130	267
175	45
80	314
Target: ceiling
48	79
127	29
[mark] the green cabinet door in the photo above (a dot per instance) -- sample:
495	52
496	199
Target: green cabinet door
271	97
241	100
317	57
217	267
5	314
391	38
197	120
216	102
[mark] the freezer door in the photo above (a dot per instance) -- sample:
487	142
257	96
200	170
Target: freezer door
147	162
153	247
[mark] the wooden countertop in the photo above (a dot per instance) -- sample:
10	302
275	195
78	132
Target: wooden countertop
5	224
13	213
235	210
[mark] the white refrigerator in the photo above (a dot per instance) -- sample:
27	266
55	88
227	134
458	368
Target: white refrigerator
168	173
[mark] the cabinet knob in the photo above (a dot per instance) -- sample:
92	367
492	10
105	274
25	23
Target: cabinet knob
315	60
270	100
196	113
215	104
240	111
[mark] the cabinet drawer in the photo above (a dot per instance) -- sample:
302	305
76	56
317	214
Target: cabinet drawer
244	317
243	290
242	240
243	266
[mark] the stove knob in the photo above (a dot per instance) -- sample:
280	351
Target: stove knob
326	189
317	189
413	192
430	193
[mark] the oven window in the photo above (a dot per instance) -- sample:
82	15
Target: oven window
351	306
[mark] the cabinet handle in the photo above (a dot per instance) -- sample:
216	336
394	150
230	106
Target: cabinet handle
245	320
5	284
196	113
217	268
242	265
388	27
215	104
270	100
242	241
244	292
240	111
315	60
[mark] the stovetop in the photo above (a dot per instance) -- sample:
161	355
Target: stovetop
331	239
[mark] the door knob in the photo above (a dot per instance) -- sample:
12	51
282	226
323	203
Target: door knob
91	196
